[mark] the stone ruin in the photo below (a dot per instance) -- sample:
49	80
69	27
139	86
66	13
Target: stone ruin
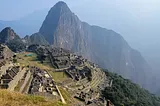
5	52
59	52
85	77
62	58
59	57
77	60
5	55
1	52
35	81
78	75
2	63
8	76
42	84
77	68
87	97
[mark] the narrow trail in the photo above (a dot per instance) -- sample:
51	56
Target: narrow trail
62	99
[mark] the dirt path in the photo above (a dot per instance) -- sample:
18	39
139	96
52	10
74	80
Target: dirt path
62	99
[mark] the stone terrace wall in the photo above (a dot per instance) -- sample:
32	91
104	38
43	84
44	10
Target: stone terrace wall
16	79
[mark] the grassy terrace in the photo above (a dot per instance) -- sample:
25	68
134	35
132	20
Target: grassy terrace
32	61
17	99
59	76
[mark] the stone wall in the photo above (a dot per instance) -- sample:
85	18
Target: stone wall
27	78
16	79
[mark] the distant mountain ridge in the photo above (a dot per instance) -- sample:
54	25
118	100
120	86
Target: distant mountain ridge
26	25
62	28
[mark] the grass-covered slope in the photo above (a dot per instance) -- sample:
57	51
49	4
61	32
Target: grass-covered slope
16	99
125	93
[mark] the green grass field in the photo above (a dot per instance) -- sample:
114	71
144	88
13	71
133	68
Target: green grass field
16	99
59	76
33	61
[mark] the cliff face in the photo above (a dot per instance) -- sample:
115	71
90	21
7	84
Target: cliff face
62	28
52	20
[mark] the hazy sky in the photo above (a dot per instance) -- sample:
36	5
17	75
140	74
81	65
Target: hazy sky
13	9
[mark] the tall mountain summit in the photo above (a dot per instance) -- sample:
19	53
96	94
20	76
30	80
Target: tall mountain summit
52	20
62	28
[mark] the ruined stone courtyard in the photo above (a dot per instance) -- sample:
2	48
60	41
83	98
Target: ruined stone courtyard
82	80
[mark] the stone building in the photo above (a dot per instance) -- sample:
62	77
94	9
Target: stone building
42	84
77	74
8	77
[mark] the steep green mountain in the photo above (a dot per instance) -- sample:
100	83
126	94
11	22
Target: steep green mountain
62	28
125	93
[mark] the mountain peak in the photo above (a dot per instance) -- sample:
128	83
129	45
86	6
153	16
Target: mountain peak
54	16
60	3
61	6
8	28
8	34
8	31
